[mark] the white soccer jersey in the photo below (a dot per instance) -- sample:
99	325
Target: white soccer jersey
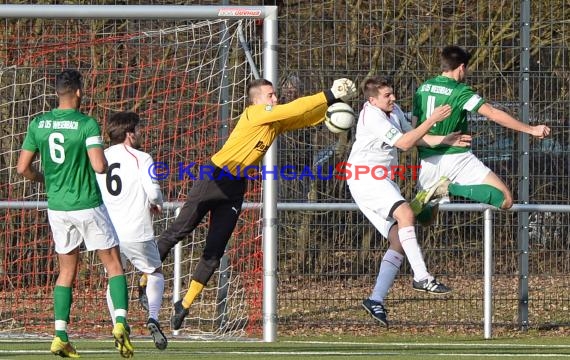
128	191
376	134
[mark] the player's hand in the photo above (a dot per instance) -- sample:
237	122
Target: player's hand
457	139
343	89
540	131
440	113
155	209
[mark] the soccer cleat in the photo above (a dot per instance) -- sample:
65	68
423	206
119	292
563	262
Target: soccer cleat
63	348
121	334
143	299
157	335
180	313
376	310
428	214
439	190
432	287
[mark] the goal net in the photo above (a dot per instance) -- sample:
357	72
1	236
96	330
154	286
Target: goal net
187	80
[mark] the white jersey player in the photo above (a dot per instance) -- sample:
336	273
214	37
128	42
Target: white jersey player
376	134
381	130
131	197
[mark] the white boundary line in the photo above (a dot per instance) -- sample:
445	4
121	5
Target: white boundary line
398	349
356	343
314	353
434	344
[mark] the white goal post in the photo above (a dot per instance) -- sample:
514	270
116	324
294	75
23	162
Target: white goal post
268	16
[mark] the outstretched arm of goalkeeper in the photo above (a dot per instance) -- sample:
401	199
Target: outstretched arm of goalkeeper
341	90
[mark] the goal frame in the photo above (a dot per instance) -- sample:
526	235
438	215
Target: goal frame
268	16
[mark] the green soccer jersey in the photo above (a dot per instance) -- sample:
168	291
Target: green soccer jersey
438	91
62	137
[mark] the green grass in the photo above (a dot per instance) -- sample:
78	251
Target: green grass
389	346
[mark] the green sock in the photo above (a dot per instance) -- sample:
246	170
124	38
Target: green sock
62	297
120	297
483	193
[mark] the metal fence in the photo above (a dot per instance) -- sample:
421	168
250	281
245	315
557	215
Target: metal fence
520	65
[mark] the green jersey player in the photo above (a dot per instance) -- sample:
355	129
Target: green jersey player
452	169
70	146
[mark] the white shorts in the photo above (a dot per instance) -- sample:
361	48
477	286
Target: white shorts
143	255
71	228
462	169
376	198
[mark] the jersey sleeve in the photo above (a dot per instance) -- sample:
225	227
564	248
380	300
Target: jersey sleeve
150	185
303	112
469	100
93	134
30	139
376	123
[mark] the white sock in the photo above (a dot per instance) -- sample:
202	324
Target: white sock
389	268
413	252
154	292
110	305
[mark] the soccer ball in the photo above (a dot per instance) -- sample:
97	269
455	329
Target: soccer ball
339	117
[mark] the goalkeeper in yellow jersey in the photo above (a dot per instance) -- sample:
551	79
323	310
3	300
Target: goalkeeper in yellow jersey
222	194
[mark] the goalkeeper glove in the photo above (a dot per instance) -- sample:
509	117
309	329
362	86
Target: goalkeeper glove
343	89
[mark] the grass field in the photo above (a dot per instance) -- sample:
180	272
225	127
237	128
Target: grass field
390	346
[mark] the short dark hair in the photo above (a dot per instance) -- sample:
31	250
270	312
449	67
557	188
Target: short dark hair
253	85
452	57
68	82
120	124
372	86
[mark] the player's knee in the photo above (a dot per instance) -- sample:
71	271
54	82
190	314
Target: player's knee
498	199
403	214
205	269
163	250
507	202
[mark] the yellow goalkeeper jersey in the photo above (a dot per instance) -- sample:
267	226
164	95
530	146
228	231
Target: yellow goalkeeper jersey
259	125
